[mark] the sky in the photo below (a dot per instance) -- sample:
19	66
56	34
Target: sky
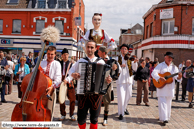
117	14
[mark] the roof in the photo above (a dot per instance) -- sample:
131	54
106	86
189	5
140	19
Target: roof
165	3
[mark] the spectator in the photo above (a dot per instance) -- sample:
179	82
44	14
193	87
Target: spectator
10	69
185	80
147	62
23	55
35	60
152	88
142	76
181	65
29	60
4	66
21	69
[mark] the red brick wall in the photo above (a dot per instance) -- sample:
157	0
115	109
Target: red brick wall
184	26
128	39
179	54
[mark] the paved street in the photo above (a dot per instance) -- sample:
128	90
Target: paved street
141	117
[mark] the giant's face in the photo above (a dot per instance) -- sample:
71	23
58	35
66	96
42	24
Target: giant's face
96	20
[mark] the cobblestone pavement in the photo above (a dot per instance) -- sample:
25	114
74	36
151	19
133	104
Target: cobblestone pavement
141	117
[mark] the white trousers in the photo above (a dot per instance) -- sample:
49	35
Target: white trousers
124	93
164	107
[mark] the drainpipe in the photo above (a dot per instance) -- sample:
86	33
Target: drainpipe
181	19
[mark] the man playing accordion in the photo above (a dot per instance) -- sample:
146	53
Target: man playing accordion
88	101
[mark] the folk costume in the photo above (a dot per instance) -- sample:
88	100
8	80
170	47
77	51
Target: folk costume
100	37
53	70
65	66
85	102
108	96
165	94
124	83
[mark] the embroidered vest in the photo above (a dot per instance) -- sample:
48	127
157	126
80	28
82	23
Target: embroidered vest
98	39
128	63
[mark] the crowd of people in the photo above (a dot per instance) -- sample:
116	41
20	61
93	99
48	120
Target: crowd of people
148	74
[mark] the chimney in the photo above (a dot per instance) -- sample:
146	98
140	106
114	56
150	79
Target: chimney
129	31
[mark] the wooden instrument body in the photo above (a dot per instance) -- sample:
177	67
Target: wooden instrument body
36	104
159	84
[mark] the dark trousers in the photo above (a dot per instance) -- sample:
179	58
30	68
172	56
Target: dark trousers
184	86
71	96
3	92
92	102
142	86
19	90
177	90
8	88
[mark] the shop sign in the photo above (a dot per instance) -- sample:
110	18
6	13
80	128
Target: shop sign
7	42
166	13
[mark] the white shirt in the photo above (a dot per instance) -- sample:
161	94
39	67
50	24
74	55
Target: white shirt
181	67
75	67
168	89
124	72
54	72
10	63
111	45
22	74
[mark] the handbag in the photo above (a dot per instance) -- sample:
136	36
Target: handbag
16	76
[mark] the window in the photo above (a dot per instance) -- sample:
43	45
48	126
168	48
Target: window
151	29
12	1
51	4
147	31
41	3
1	26
193	26
60	25
16	26
138	31
168	27
39	26
62	3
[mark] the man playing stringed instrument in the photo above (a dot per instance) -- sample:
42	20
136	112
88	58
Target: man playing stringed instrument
166	93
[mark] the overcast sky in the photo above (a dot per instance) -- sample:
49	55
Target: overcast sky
117	14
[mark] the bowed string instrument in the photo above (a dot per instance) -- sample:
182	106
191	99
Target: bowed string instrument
34	102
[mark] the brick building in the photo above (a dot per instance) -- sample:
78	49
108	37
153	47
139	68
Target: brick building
21	22
169	26
131	36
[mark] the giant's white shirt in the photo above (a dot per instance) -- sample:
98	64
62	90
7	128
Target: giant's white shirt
54	72
111	45
124	72
168	89
75	67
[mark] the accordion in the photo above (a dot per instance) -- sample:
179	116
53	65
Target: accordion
92	80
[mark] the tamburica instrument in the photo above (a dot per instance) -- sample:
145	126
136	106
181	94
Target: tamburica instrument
92	80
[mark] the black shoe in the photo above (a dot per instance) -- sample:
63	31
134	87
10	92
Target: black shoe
126	112
190	105
183	100
163	124
4	101
165	121
0	103
120	117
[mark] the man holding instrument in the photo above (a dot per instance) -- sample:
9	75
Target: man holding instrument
166	93
66	65
87	101
52	69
